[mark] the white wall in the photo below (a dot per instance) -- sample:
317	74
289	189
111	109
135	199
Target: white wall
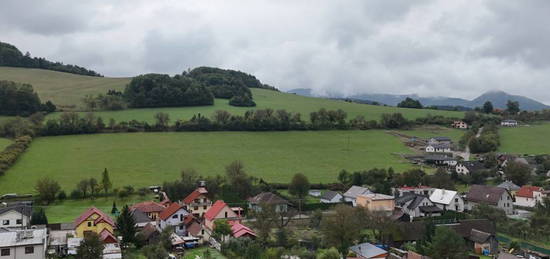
19	253
13	216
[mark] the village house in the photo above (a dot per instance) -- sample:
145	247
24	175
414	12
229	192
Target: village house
351	194
173	216
509	186
24	244
440	160
417	205
438	148
268	199
493	196
95	220
440	140
150	208
509	123
529	196
377	202
58	238
459	125
368	251
197	202
15	216
331	197
219	210
239	230
141	219
149	234
447	200
469	167
421	189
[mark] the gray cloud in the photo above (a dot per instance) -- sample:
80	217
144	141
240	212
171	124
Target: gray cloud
431	47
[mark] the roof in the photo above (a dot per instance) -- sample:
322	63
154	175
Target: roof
23	209
367	250
194	228
414	187
479	236
510	121
148	231
93	210
195	194
239	230
438	157
441	138
509	185
415	198
441	145
22	237
464	227
485	194
355	191
170	210
378	196
215	210
473	166
107	237
442	196
140	216
267	198
148	207
527	191
329	195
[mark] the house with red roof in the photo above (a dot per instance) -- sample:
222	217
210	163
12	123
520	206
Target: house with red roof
95	220
173	215
197	202
528	196
220	210
239	230
150	208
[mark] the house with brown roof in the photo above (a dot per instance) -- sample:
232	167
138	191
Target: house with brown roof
270	199
529	196
197	202
490	195
174	215
150	208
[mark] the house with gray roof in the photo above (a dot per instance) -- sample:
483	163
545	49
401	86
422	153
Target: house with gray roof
417	205
510	186
331	197
469	167
368	250
351	194
496	197
28	244
15	216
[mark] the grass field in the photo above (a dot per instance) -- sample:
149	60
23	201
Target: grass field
531	139
143	159
61	88
69	210
4	142
434	131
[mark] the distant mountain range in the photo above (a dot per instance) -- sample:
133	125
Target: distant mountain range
498	98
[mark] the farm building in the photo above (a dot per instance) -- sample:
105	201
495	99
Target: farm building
493	196
351	194
447	200
509	123
331	197
469	167
438	148
459	125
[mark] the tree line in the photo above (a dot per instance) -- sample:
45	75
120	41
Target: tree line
12	57
21	100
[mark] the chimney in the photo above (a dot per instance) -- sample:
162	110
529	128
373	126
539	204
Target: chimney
202	183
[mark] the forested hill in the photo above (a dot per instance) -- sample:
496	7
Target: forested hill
10	56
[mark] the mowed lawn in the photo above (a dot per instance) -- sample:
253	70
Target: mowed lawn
144	159
4	142
273	100
69	210
531	139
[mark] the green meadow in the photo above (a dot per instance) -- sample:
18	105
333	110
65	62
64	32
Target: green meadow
4	142
144	159
434	131
532	139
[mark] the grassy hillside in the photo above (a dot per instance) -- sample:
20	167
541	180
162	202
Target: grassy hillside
144	159
4	142
525	140
68	89
63	89
434	131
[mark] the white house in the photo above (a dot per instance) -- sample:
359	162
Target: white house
509	123
459	125
174	215
529	196
493	196
469	167
23	244
17	216
331	197
351	194
438	148
421	189
447	200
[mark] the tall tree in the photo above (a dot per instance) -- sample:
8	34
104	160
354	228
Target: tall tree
126	227
83	187
488	107
106	181
222	229
441	248
94	186
512	107
39	217
299	187
154	251
90	247
239	180
162	120
517	172
342	228
47	189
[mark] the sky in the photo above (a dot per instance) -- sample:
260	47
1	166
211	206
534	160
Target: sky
458	48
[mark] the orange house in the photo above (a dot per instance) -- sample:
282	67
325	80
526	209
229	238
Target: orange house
95	220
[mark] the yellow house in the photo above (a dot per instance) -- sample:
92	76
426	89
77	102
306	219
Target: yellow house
96	221
376	202
197	202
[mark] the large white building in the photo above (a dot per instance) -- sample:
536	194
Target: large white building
529	196
447	200
23	244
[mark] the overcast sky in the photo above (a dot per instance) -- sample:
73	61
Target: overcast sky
457	48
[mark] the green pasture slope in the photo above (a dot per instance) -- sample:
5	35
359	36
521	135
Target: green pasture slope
61	88
434	131
532	139
68	89
4	142
144	159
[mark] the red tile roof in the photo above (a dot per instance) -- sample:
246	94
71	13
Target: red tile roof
195	194
215	210
527	191
239	230
148	206
170	210
107	237
413	187
93	210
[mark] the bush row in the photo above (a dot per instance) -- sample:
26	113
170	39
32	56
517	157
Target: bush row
10	155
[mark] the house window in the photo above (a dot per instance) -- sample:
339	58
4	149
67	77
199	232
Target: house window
205	201
196	208
29	250
6	222
19	222
226	214
181	227
89	223
175	216
204	207
5	252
